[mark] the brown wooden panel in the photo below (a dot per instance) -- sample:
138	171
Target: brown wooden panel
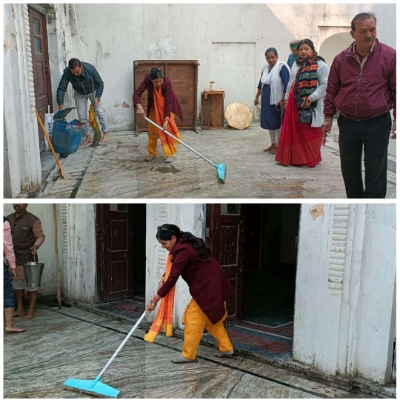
119	285
114	252
41	68
228	245
225	225
183	75
212	109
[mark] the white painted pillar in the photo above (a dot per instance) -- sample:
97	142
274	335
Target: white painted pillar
79	252
21	138
189	217
344	307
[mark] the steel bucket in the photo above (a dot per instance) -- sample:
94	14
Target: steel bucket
33	274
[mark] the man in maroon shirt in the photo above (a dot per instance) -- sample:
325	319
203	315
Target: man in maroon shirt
362	88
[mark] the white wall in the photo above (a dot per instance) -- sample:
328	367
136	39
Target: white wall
112	36
76	249
376	328
345	290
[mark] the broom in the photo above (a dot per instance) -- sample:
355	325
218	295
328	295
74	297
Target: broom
221	168
94	386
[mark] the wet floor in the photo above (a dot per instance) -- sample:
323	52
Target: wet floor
74	343
118	170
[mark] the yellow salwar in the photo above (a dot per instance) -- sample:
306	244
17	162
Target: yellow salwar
195	322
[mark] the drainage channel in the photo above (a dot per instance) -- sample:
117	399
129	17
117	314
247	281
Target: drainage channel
80	179
299	388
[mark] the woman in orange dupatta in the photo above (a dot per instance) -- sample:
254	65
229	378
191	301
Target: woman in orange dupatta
164	315
162	106
209	287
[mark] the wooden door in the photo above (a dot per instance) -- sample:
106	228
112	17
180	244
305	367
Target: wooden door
115	266
225	232
41	67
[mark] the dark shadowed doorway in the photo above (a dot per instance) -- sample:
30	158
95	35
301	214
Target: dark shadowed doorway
257	246
269	265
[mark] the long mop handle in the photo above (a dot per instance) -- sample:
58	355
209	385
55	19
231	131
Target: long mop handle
120	347
180	141
50	144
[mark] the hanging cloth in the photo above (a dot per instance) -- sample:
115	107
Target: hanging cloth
164	315
167	142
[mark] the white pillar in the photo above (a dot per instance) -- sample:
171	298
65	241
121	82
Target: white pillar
344	307
79	252
21	138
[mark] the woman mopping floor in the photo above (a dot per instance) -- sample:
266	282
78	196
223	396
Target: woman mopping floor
208	285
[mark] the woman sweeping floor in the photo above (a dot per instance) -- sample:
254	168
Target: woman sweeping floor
162	106
208	285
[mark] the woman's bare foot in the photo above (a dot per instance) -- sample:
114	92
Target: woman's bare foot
273	149
269	148
105	138
13	329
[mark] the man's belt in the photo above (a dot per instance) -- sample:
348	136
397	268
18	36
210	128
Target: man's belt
359	118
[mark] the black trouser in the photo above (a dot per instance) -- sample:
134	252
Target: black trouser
372	135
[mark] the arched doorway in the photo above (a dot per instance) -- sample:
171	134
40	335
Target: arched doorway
333	45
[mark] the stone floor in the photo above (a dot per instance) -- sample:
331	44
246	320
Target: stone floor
68	342
118	170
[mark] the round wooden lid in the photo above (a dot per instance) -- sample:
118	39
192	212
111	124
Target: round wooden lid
238	115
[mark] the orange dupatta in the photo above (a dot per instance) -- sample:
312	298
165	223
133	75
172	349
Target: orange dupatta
167	142
164	314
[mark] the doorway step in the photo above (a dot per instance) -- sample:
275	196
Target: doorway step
257	342
129	309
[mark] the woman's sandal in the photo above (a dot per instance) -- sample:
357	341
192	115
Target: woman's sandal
182	360
228	354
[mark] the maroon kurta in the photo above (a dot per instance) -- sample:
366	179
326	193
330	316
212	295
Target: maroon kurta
207	281
171	101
